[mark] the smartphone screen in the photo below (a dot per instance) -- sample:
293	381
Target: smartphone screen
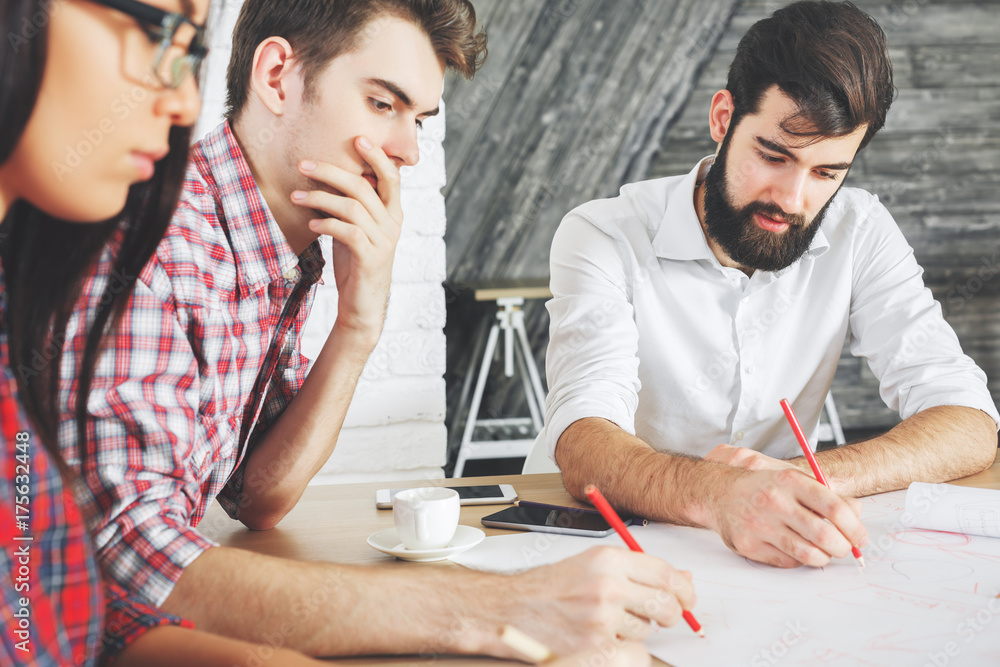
534	517
476	494
484	491
468	492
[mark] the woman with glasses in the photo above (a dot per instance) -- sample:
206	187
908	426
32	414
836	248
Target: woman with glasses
97	98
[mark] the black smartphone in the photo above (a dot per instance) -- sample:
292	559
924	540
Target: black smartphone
563	522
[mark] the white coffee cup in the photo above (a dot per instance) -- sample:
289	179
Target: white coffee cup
426	518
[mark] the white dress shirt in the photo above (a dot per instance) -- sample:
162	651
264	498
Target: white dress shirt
649	331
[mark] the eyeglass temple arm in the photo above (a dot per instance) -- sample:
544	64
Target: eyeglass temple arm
139	10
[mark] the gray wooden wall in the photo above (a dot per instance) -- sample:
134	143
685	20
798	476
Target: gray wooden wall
580	96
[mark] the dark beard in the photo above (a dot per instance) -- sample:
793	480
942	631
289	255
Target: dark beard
740	237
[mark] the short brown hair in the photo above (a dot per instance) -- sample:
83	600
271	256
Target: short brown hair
830	57
321	30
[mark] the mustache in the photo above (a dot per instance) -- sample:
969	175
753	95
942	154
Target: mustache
774	212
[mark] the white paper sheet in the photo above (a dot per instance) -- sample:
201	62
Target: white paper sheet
925	599
956	509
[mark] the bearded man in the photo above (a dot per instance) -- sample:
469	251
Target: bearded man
687	307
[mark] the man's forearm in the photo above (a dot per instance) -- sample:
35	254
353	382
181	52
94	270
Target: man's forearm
772	516
169	645
302	439
936	445
325	609
634	477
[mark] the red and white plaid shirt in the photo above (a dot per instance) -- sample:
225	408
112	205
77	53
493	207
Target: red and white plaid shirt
175	402
51	602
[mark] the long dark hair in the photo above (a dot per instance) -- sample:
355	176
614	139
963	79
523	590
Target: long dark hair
46	260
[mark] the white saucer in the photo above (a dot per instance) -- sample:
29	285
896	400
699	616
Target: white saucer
387	541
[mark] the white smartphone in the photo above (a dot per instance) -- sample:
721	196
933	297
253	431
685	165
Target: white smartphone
486	494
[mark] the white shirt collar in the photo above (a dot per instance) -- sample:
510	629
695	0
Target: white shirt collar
681	236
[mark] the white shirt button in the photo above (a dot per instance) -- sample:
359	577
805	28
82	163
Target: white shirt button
292	273
751	369
738	436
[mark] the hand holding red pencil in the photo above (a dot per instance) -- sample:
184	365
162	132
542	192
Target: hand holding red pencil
813	463
609	514
603	594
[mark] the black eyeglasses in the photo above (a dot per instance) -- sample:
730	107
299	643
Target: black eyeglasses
161	27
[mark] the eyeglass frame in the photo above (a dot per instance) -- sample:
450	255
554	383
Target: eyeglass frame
169	23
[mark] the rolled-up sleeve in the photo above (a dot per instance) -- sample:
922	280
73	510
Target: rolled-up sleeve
592	365
140	465
126	619
900	329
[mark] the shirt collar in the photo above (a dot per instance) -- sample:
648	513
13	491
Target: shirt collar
819	243
261	252
681	236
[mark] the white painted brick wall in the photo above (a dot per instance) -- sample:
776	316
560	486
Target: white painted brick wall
395	427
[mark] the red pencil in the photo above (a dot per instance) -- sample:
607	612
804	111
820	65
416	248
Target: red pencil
609	514
813	463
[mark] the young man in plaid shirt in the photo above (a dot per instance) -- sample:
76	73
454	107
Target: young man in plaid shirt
202	391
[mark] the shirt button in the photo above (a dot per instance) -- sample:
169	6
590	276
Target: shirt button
292	273
738	436
750	369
